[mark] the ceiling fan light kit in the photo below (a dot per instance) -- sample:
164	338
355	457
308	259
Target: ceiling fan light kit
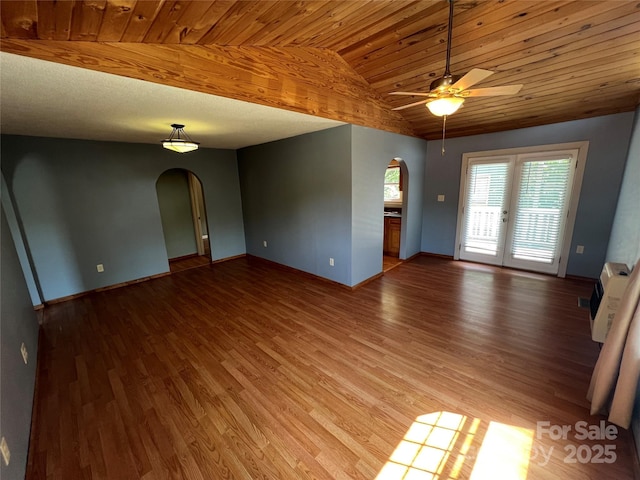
176	143
445	105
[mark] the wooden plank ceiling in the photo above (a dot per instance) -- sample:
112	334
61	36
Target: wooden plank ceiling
339	59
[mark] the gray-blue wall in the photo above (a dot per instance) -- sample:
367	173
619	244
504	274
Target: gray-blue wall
608	138
174	199
296	196
17	324
372	150
320	196
82	203
624	245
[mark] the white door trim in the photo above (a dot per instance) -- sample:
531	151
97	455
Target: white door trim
194	191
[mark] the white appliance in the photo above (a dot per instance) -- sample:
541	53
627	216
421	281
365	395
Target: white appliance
606	297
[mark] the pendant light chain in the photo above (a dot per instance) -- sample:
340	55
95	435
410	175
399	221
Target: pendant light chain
444	124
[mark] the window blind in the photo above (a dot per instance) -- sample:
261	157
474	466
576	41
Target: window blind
485	197
541	205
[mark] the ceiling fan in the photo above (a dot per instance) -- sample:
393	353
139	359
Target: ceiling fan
448	93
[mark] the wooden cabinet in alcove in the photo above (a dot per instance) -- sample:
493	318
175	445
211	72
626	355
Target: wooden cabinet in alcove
391	244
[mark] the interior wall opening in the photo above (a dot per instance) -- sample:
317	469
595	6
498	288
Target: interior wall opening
395	195
184	219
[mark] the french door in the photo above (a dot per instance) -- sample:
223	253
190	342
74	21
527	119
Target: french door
515	208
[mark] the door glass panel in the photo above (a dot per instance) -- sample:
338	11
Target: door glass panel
541	208
485	205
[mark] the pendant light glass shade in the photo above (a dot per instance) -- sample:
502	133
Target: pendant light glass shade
178	144
445	106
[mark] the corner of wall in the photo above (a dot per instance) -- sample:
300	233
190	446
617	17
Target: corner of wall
17	379
21	247
624	241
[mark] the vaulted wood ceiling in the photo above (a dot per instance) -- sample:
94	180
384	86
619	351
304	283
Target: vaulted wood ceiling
341	59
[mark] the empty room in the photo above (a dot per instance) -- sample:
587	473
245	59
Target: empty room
320	239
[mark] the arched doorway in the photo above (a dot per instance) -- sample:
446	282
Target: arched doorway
395	195
184	219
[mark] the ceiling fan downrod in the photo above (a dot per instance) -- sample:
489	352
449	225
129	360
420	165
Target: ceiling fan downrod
447	73
443	83
449	35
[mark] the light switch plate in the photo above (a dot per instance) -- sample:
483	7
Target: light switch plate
100	267
441	198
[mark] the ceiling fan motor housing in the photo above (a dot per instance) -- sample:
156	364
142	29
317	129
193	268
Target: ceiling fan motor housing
443	84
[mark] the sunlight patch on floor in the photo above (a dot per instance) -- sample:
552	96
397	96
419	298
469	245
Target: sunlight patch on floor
445	445
504	453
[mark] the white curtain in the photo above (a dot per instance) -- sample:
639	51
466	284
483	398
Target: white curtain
616	374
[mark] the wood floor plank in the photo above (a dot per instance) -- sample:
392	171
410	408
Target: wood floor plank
246	370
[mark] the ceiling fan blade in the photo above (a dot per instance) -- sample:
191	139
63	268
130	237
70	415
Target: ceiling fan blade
493	91
416	94
474	76
412	104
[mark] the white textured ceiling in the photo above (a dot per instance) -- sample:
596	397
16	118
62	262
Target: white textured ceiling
48	99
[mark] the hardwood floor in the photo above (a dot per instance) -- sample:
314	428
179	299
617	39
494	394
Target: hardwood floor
389	262
188	263
246	370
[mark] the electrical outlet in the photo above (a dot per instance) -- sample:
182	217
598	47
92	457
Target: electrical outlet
580	249
4	449
331	262
264	243
25	354
441	198
100	267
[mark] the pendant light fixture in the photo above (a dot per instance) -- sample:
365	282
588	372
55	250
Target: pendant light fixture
177	143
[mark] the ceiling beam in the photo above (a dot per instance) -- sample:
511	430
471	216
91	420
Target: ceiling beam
301	79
